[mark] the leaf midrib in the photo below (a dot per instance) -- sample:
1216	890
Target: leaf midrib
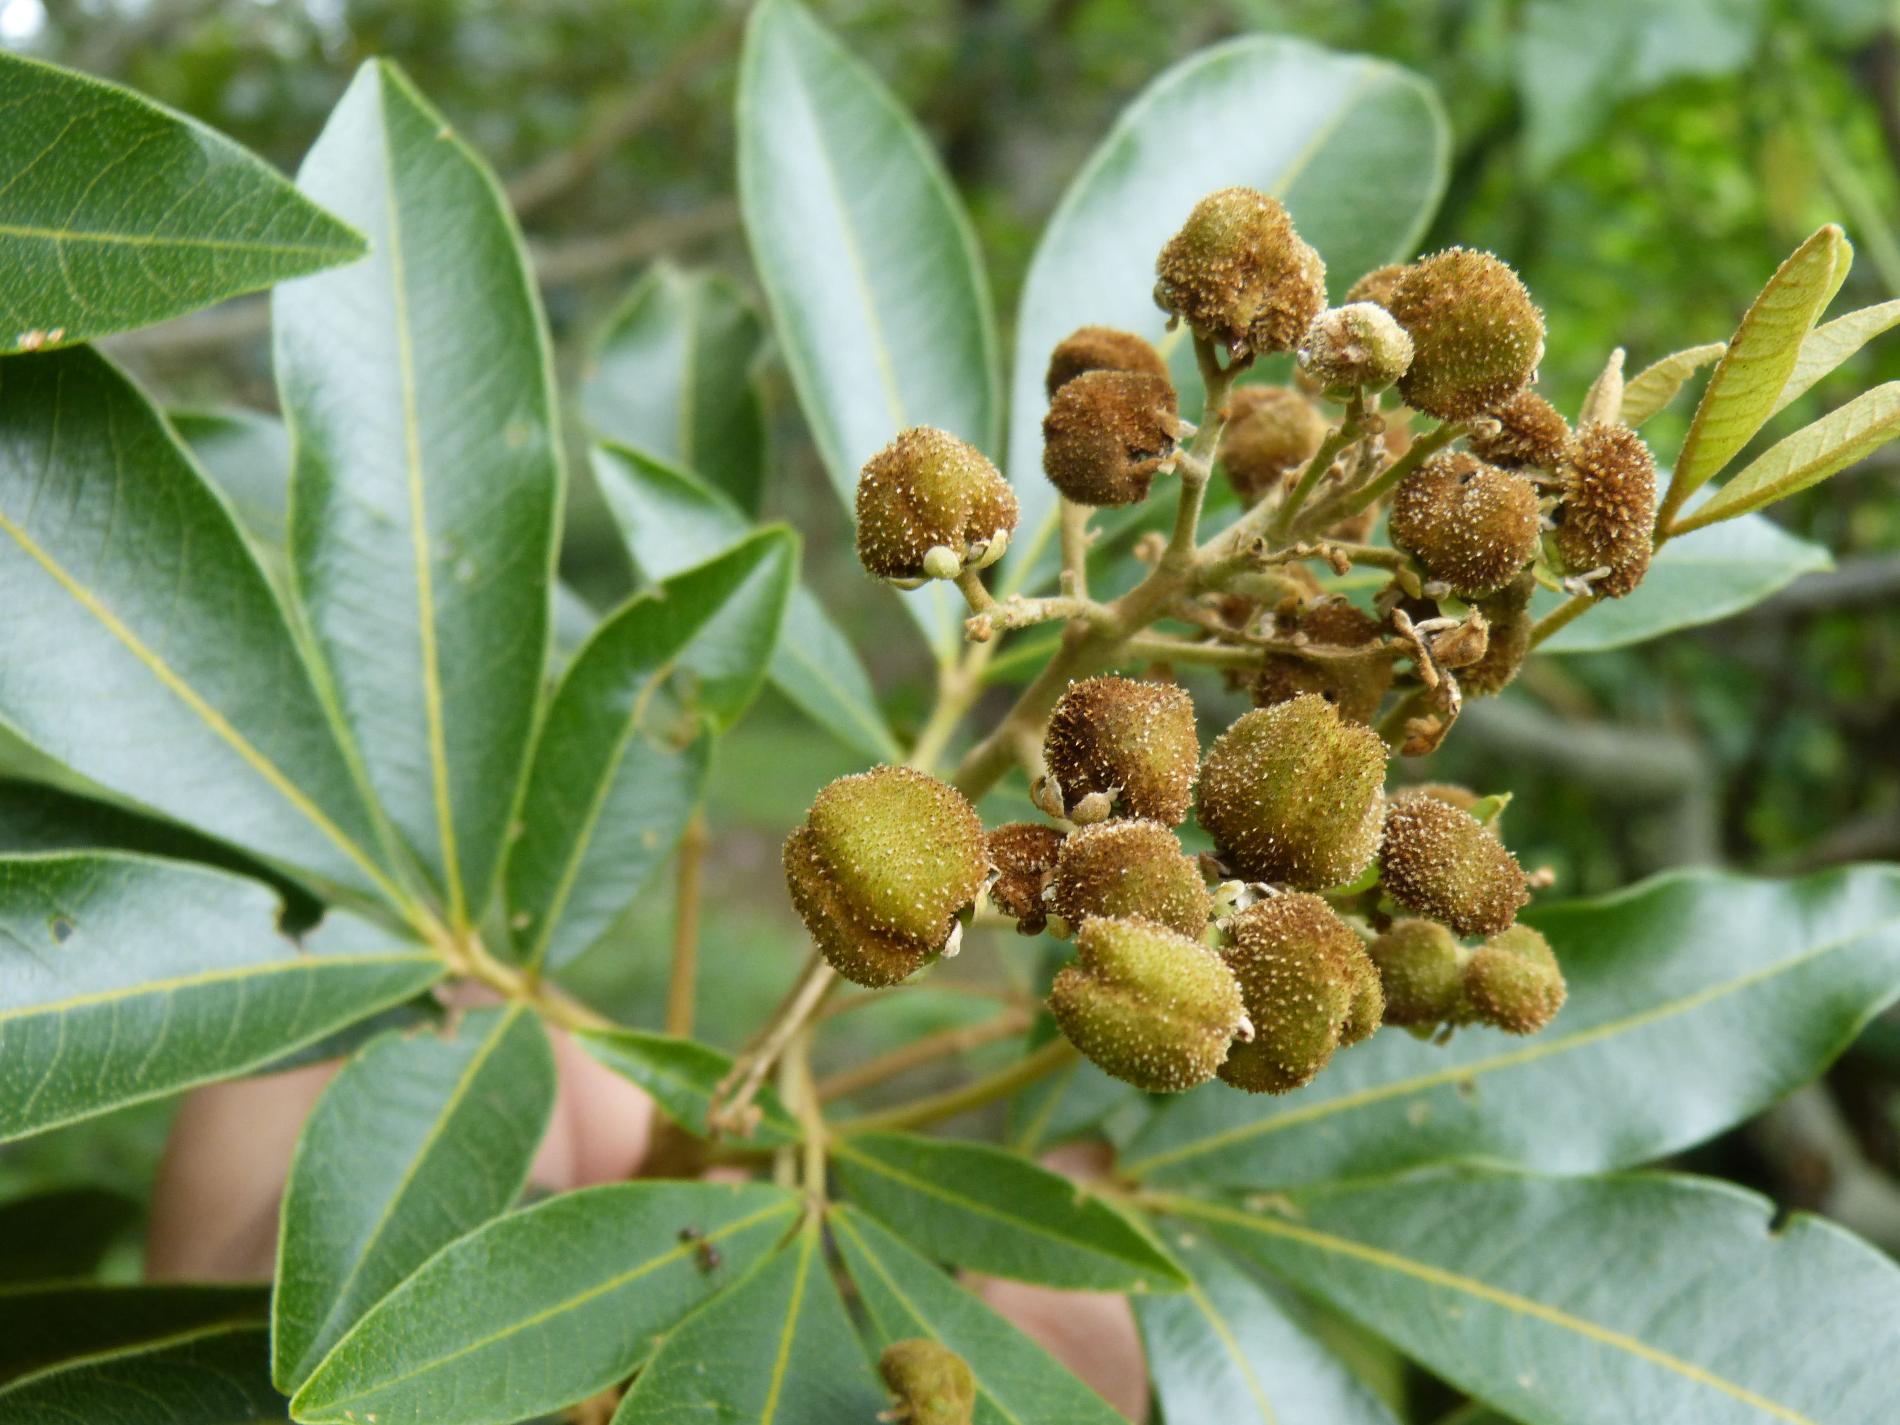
58	235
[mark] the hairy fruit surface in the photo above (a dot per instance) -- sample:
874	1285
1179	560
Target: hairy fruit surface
1609	508
1238	273
1101	349
1473	525
928	490
1106	434
1130	740
1441	862
1130	868
1476	335
1305	980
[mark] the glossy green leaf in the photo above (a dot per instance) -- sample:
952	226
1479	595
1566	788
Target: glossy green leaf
1841	438
1547	1297
218	1376
671	374
683	1076
1225	1349
546	1306
134	604
1757	363
1701	577
246	454
418	1140
1077	1100
774	1349
998	1212
1357	149
1832	344
47	1326
117	213
622	755
1695	1001
124	979
61	1235
905	1297
867	259
1656	385
427	485
671	521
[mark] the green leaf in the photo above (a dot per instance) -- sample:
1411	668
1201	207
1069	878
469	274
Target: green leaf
1839	439
1695	1001
1832	344
44	1327
905	1297
1357	149
622	755
1226	1350
218	1376
683	1076
418	1140
1756	365
1702	577
117	213
544	1307
246	455
427	486
124	979
997	1212
1656	385
774	1349
867	259
671	521
1546	1297
133	602
61	1235
671	374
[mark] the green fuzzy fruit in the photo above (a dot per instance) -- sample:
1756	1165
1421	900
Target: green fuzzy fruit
930	1383
929	490
1238	273
1421	966
1441	862
1476	335
1513	981
1358	346
1307	986
1132	738
1130	868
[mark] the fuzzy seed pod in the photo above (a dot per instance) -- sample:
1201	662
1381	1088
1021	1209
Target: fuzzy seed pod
1130	868
1441	862
1129	739
1357	345
931	1384
1302	972
1531	433
1472	524
1450	793
1106	434
1508	612
1238	273
1023	854
1271	432
1356	686
1290	794
1476	335
1421	965
1609	507
1101	349
882	865
1513	981
1148	1006
1378	285
926	491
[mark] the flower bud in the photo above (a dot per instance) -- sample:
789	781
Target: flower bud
1146	1005
926	492
1358	346
1378	285
1303	974
1513	981
882	865
1132	740
1271	432
1608	511
1290	795
1421	966
1130	868
931	1384
1023	854
1238	273
1473	525
1106	434
1101	349
1441	862
1508	612
1531	433
1476	335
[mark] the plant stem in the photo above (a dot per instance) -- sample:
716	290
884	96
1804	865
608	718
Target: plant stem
976	1094
1156	648
735	1093
941	1045
1348	503
684	981
1350	427
1561	617
1075	548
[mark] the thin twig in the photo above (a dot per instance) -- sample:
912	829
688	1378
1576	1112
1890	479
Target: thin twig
976	1094
959	1039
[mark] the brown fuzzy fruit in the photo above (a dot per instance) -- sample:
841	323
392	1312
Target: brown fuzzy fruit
1378	285
929	490
1148	1006
1609	507
931	1384
1130	868
1271	432
1473	525
1238	273
1421	965
1508	612
1023	854
1101	349
1304	979
1357	346
1129	737
1441	862
1106	435
1291	795
882	865
1531	433
1476	335
1513	981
